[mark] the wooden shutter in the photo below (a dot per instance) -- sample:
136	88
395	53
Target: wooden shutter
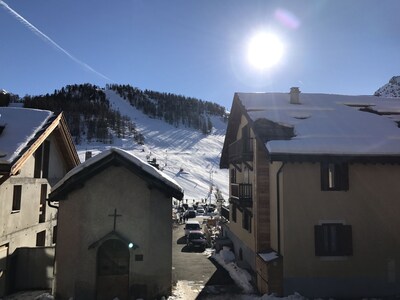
319	240
324	176
346	240
344	177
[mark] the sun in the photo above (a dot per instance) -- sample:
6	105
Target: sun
264	50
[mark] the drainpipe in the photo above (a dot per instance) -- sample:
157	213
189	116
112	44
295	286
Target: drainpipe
51	205
278	212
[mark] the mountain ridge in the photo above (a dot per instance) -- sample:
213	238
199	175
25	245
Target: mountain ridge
390	89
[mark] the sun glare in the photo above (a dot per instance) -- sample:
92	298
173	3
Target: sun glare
264	50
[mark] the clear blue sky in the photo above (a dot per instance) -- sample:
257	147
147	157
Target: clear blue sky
198	48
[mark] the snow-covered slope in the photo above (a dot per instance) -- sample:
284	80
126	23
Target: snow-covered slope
185	154
390	89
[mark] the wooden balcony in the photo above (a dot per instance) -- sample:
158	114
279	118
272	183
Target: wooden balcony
241	150
242	194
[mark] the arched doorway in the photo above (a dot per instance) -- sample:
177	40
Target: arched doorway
113	270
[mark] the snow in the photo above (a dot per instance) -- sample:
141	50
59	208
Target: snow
242	278
269	256
390	89
328	124
21	125
135	160
184	154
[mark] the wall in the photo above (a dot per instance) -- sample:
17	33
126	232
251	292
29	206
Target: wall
19	228
242	238
370	206
146	220
33	268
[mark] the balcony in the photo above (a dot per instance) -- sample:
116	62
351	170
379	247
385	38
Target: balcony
242	194
241	150
225	212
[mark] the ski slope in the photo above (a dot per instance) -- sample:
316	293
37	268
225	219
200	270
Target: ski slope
185	154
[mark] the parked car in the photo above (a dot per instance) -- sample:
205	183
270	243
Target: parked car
196	239
191	226
200	211
190	214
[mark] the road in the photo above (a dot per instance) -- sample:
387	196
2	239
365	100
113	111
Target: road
195	274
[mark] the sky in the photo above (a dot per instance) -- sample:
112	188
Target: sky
198	48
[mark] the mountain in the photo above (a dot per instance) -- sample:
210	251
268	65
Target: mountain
390	89
183	136
185	154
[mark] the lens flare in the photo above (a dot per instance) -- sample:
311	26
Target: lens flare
264	50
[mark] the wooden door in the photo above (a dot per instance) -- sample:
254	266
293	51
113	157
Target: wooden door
113	270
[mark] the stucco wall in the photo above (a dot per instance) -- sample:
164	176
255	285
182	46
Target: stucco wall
83	219
370	206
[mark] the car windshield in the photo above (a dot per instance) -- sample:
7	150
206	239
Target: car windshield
192	226
196	235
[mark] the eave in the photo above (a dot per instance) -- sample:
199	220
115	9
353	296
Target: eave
339	158
78	180
57	124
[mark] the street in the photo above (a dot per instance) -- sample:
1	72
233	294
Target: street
195	273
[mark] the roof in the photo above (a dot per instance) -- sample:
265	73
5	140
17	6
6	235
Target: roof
327	124
24	130
113	156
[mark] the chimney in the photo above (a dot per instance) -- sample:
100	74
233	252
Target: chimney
294	95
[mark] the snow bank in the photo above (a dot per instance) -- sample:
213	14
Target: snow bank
241	277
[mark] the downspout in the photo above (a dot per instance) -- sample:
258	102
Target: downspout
278	212
51	205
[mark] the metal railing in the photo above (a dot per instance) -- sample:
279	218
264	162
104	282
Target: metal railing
243	193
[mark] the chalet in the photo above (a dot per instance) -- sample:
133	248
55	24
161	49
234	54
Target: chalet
114	229
314	193
36	151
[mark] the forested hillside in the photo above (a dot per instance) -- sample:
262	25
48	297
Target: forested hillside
174	109
90	117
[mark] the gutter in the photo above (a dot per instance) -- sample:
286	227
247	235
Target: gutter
278	210
51	205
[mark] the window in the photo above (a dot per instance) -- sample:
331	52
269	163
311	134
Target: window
17	194
42	207
334	177
333	239
246	220
139	257
42	158
41	238
55	234
234	213
233	175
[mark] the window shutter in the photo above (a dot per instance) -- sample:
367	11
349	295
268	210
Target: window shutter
344	177
346	240
319	240
324	177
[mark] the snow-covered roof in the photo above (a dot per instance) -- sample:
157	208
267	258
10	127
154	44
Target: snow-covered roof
21	126
329	124
149	169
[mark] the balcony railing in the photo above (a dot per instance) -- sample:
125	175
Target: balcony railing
241	150
242	194
225	212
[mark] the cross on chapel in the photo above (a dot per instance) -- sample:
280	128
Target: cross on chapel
115	217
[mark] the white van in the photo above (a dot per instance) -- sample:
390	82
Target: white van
190	226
